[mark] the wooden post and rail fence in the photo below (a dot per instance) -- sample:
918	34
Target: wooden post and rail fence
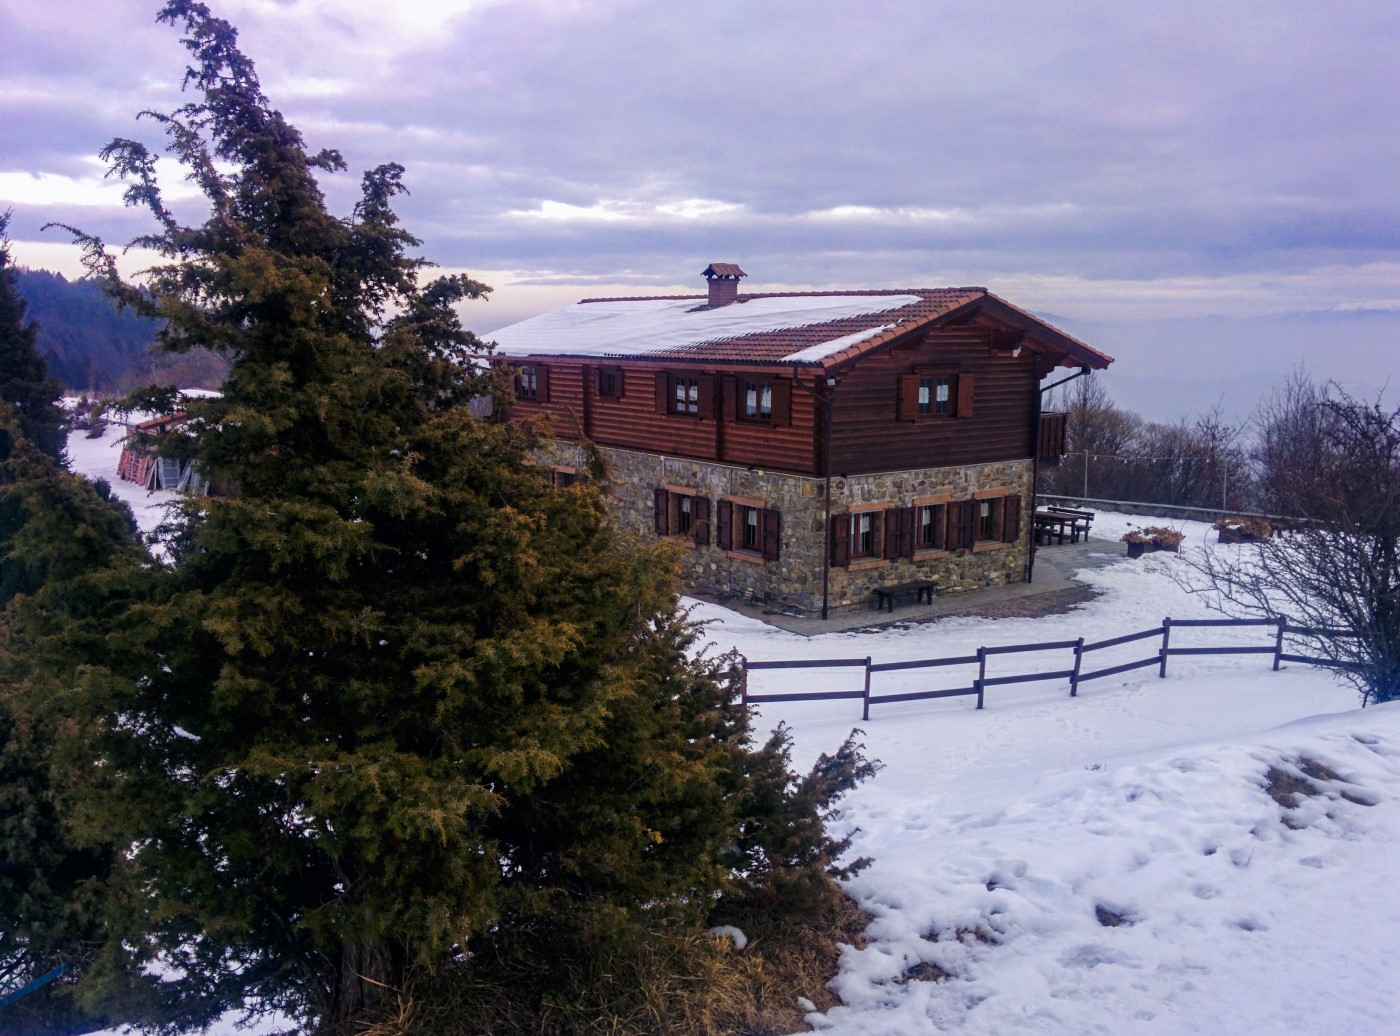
1076	674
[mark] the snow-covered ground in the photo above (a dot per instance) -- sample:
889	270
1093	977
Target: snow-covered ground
1009	842
97	458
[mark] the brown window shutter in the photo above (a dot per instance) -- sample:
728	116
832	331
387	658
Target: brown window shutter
706	399
702	521
892	534
782	404
724	525
965	382
729	393
968	531
906	532
1011	519
542	382
840	540
772	524
955	525
908	397
663	397
663	512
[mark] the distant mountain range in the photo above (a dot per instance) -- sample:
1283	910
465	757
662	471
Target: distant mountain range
95	348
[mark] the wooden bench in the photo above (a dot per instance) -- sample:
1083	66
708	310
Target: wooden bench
921	589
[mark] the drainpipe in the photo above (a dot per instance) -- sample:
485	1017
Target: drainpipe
1035	462
824	400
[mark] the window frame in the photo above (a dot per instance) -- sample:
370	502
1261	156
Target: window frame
536	389
701	383
757	540
911	386
609	382
670	503
937	526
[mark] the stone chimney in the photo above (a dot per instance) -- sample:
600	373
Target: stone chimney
724	283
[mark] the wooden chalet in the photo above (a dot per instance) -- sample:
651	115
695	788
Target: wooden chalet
810	448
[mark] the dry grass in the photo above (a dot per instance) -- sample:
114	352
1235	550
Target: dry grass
668	984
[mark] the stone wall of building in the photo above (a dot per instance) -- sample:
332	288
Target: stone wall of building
793	583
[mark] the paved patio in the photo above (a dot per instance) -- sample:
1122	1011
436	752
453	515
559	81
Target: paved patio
1054	589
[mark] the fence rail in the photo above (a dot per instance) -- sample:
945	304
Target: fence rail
1075	674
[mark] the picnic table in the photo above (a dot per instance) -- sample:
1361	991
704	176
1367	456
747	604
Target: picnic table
1060	527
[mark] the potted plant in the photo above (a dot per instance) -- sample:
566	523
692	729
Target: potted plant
1163	538
1243	530
1137	543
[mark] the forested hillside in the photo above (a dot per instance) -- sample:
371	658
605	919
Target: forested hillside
92	346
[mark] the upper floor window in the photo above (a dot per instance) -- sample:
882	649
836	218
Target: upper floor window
532	384
610	382
686	398
934	395
688	394
758	400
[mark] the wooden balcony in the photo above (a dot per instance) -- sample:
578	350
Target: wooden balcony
1052	442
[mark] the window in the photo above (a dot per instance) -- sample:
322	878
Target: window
690	395
747	527
988	518
758	401
929	526
532	384
870	534
610	382
565	477
687	396
751	530
934	395
683	512
864	540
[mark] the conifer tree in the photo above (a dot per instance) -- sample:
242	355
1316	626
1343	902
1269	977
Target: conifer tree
24	377
397	712
68	554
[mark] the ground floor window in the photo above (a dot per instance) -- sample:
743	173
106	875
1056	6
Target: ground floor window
750	528
930	526
682	512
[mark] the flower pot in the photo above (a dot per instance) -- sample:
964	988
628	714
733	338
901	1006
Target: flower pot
1136	550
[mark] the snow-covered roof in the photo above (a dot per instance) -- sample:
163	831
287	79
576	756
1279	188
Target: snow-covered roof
656	327
800	329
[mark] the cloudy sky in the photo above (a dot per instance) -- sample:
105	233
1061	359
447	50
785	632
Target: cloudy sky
1205	186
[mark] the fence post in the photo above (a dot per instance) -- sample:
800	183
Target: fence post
981	674
1166	639
744	684
865	712
1078	660
1278	641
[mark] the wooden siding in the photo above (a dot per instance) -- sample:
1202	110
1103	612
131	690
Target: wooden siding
634	421
868	434
871	430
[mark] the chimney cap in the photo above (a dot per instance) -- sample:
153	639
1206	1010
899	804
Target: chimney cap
723	272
